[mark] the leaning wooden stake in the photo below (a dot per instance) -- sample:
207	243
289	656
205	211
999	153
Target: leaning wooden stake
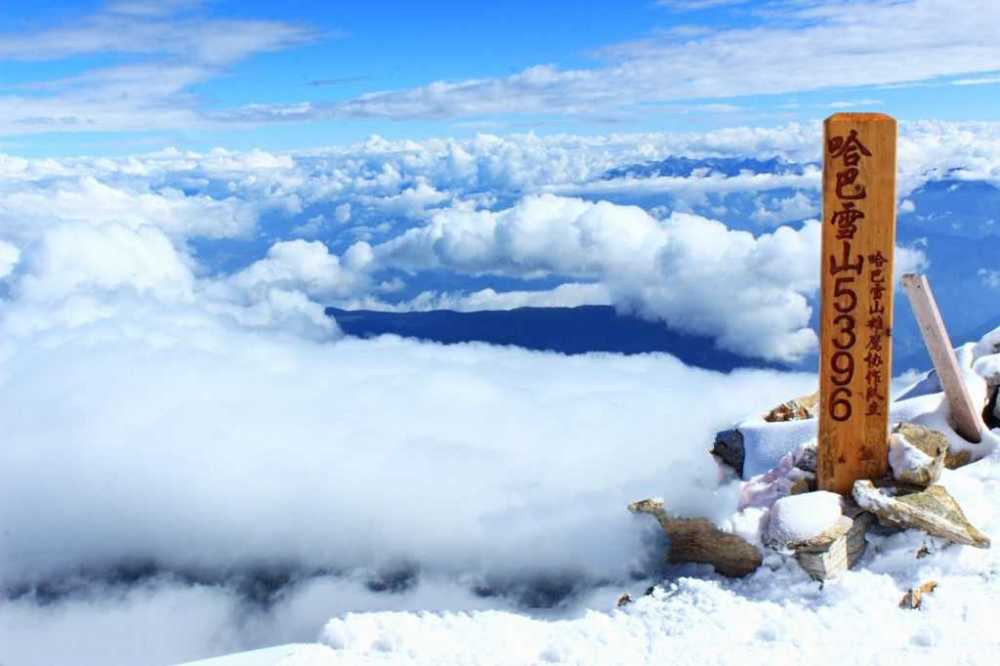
965	418
859	233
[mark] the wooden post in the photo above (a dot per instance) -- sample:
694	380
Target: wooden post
859	235
965	419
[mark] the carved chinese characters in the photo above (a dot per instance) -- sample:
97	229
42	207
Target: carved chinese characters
859	229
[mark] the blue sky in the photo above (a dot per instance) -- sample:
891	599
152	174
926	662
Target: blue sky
132	76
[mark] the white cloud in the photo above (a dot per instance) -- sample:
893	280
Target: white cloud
342	213
854	103
175	45
486	216
787	51
693	273
9	256
87	200
978	81
307	266
695	5
989	277
566	295
175	437
74	258
796	207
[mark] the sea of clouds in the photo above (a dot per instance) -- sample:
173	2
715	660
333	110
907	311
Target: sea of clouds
196	461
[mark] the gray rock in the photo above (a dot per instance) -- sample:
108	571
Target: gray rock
698	540
728	448
933	511
917	454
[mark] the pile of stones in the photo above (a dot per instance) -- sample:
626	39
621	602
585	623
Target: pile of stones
909	497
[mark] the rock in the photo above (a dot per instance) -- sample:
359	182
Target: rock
991	413
914	596
805	456
836	550
698	540
800	486
932	510
956	459
799	518
728	448
624	600
803	407
917	454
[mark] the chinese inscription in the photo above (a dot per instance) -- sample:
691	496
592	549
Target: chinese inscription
856	306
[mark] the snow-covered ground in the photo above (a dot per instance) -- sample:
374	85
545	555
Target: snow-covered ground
778	615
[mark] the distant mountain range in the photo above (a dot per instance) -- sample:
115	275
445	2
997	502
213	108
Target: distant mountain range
684	167
588	328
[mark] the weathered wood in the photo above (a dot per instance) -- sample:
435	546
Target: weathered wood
965	418
859	234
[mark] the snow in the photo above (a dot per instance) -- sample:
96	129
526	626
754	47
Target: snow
777	615
800	517
767	443
904	457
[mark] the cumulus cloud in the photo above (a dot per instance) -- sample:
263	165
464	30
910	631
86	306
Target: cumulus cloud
798	206
307	266
426	205
88	200
696	274
73	258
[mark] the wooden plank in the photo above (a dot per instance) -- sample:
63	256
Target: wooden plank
966	419
859	235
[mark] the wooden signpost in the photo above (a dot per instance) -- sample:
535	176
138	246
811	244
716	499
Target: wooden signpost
859	234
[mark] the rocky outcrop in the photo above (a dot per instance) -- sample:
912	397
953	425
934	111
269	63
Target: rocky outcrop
699	540
933	511
917	454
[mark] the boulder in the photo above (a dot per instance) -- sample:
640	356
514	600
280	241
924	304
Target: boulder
917	454
932	510
699	540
